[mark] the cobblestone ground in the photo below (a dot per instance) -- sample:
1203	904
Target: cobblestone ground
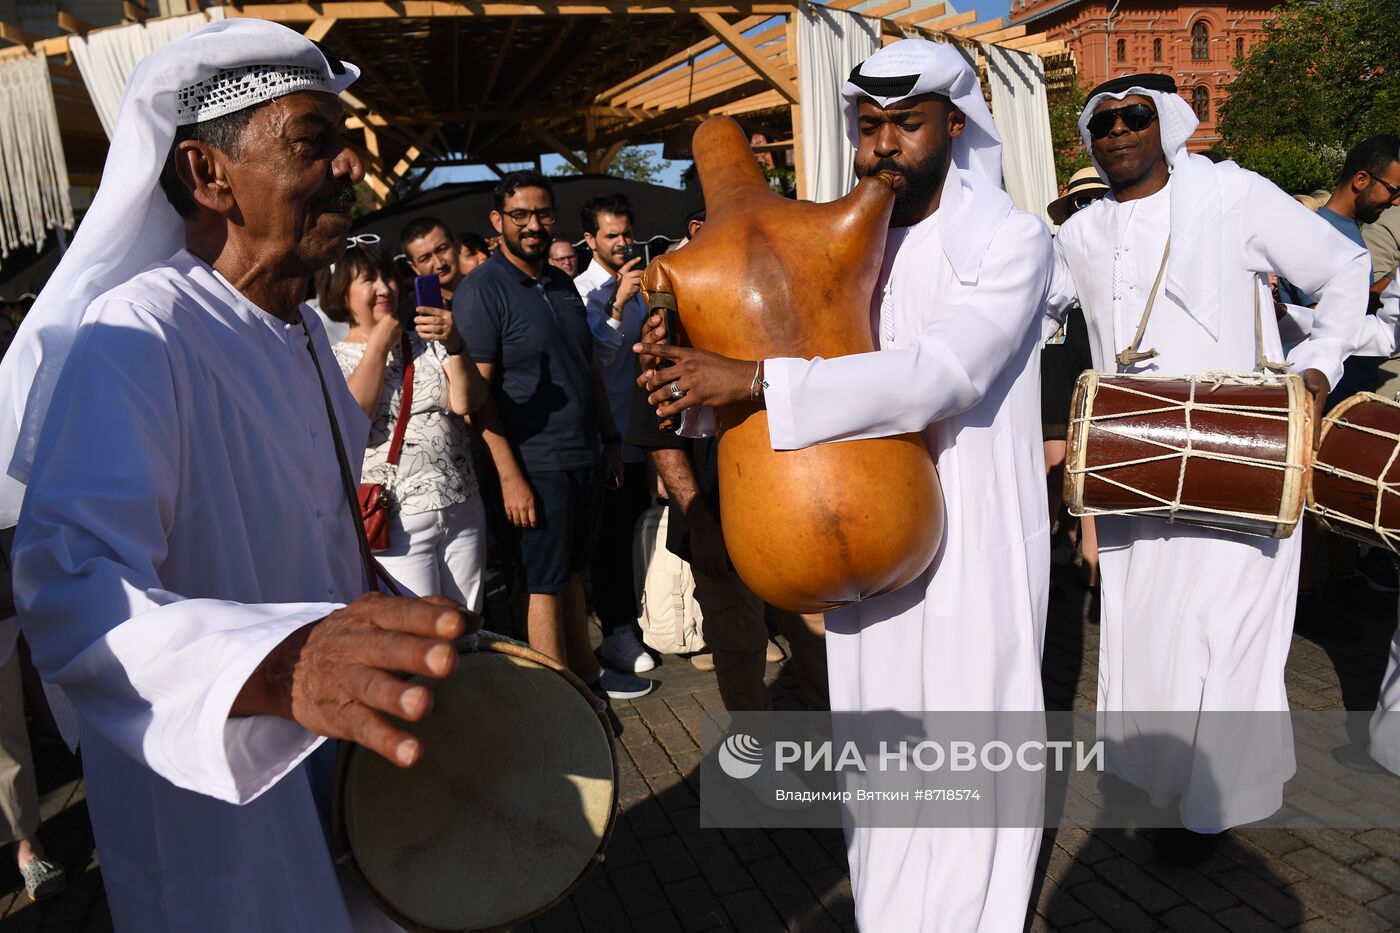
663	872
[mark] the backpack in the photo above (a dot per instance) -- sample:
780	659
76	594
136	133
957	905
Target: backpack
670	617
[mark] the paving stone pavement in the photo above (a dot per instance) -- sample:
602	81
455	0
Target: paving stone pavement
664	873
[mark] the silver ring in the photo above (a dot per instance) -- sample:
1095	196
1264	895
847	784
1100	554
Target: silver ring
676	390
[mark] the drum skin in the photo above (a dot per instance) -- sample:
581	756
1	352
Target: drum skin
766	277
1352	486
505	813
1266	434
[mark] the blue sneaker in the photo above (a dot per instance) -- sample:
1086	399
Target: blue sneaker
620	686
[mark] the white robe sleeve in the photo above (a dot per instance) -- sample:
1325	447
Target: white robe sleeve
156	674
1283	237
1377	333
1061	297
1296	324
948	370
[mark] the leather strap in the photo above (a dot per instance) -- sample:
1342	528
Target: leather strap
405	399
1133	355
347	482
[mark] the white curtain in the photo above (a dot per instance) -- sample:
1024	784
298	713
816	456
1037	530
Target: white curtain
33	173
105	57
1017	81
829	44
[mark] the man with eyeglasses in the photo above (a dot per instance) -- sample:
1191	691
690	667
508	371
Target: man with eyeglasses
1195	620
551	433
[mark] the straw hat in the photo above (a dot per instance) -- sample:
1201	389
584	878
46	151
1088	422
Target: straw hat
1084	181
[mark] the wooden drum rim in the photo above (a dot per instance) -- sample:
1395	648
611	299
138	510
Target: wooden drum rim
477	643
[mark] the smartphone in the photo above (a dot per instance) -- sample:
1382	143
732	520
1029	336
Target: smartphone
427	291
635	251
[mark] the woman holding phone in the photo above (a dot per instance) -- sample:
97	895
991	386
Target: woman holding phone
437	526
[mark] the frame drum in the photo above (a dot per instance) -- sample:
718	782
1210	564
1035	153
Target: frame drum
509	808
1218	450
1354	486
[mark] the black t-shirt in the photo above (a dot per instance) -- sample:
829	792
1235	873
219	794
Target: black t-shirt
644	431
535	332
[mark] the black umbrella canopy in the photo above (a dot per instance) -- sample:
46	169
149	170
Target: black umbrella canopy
466	207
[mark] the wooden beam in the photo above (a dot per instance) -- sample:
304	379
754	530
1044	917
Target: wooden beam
728	63
432	9
919	16
729	77
843	4
706	105
978	30
412	154
774	147
552	141
135	11
542	61
1004	35
318	29
12	33
946	23
605	158
799	152
751	56
887	9
75	25
661	67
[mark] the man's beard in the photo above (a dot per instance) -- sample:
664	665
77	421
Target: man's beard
921	179
540	249
1370	213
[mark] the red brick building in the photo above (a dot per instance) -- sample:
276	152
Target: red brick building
1196	44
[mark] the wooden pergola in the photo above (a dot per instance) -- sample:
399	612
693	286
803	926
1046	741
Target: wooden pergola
493	83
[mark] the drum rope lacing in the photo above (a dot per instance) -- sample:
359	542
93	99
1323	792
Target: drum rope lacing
1383	487
1213	378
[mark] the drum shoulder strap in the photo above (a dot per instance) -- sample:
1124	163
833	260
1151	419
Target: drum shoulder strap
1133	355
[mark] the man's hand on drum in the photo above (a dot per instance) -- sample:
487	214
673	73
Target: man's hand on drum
1319	388
696	377
339	676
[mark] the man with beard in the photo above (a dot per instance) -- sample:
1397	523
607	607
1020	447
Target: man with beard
525	326
957	314
1193	619
612	290
188	540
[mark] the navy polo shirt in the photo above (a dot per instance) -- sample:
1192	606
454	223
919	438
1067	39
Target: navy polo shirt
535	333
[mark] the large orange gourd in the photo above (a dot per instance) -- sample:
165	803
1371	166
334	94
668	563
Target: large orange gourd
813	529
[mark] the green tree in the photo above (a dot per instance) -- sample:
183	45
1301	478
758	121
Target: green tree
1325	76
633	163
1065	106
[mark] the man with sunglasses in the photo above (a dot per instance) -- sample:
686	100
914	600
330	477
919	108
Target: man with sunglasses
1195	620
551	433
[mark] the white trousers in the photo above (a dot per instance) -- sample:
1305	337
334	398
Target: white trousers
1385	721
440	553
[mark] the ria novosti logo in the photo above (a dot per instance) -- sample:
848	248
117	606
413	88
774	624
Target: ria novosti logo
740	756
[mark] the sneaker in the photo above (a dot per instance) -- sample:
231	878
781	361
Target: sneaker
620	686
42	878
621	651
1378	569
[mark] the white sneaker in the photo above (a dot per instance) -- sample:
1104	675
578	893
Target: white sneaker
622	651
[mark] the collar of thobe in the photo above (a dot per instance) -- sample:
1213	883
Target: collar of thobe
230	62
911	67
1196	218
969	213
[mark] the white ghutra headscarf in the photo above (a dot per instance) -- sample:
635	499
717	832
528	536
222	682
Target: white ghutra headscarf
1193	269
219	69
910	68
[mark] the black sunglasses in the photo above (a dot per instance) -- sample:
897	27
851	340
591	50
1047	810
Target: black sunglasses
1081	201
1392	190
1136	117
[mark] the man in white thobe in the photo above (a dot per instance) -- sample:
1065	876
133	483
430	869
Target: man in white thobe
1196	620
957	314
186	548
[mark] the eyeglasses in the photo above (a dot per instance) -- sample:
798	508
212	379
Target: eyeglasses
520	216
1136	117
361	239
1392	190
1081	201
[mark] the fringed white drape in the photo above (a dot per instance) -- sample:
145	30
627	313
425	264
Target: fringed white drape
1017	81
829	44
33	174
105	57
